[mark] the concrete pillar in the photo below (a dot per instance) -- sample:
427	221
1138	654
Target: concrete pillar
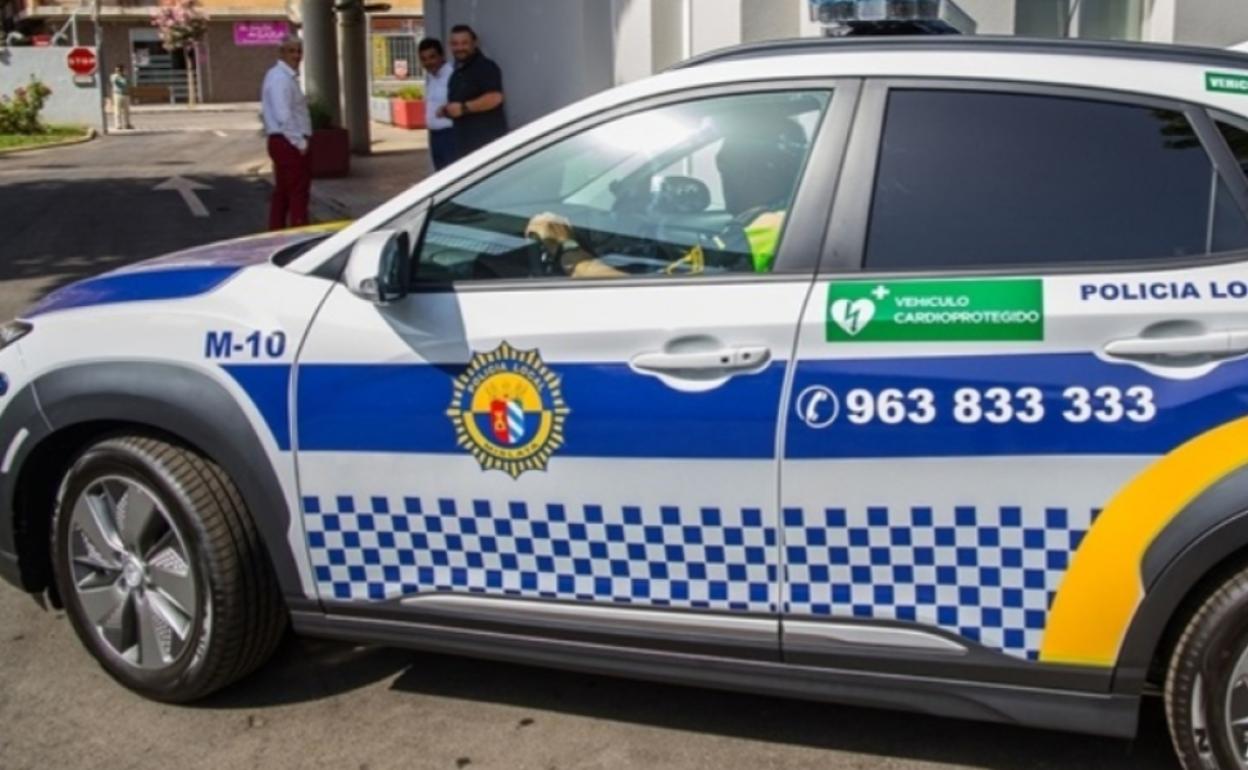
668	36
631	22
1160	18
320	55
353	38
715	24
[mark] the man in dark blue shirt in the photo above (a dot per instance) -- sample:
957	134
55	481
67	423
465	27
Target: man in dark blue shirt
475	95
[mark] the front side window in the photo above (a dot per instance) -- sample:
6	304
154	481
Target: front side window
982	179
703	187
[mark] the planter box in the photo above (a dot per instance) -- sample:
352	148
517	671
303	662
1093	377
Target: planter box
329	152
379	109
408	113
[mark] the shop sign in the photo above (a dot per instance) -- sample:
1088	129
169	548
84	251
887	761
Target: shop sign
249	33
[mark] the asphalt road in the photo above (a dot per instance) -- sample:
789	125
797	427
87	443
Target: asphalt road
70	212
77	211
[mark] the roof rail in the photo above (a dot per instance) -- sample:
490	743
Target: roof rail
1212	57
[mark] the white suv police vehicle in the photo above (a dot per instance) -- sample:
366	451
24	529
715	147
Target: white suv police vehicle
901	372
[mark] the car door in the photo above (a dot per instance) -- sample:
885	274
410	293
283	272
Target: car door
513	446
1020	364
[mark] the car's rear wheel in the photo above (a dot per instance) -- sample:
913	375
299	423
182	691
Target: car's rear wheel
162	571
1207	682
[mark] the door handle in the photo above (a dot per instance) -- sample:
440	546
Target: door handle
723	361
1202	347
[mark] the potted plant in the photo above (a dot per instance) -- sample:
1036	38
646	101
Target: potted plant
329	150
408	107
379	108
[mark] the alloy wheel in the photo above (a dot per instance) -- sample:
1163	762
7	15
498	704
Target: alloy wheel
132	573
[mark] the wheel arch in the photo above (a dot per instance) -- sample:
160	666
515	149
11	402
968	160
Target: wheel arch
1195	553
83	403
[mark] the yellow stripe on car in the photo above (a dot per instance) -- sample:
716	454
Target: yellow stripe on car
1102	589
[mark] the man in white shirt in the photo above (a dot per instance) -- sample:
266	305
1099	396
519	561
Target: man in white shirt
288	125
437	78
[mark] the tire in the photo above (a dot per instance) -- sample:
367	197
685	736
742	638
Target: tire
161	569
1201	691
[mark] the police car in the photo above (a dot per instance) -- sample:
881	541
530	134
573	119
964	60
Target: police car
907	373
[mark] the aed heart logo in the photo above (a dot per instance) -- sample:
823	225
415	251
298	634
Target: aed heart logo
852	316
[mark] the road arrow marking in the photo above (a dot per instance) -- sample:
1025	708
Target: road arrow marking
186	188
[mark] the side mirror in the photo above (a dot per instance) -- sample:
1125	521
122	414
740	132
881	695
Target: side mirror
680	195
379	267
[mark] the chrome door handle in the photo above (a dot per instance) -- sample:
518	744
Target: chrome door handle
1209	346
722	361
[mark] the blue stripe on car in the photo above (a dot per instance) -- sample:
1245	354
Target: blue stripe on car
616	412
1185	408
135	286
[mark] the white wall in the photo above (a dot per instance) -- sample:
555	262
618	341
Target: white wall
770	19
1160	17
69	102
994	17
552	52
1211	22
716	24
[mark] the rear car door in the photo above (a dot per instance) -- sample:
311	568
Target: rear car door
1021	362
513	446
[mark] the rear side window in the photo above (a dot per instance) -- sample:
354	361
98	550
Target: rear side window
971	178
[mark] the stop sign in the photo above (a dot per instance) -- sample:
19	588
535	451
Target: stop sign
82	61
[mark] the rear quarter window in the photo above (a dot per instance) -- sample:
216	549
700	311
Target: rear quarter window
974	178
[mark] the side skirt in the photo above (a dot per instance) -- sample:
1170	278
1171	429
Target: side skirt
1113	715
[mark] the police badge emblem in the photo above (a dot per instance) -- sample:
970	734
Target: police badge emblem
508	410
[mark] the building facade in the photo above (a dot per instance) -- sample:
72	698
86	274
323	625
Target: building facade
226	66
1216	23
554	52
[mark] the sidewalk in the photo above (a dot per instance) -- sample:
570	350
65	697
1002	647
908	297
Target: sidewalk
399	160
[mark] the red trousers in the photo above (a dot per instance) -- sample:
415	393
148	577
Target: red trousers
293	184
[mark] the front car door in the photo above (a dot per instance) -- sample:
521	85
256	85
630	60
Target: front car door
1027	378
576	409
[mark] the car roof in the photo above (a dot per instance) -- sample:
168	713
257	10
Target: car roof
998	44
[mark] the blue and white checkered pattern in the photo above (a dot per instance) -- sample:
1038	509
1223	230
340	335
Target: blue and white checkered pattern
988	575
380	548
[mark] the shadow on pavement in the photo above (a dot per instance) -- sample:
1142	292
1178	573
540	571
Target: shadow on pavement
775	720
307	670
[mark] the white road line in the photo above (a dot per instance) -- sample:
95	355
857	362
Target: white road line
186	188
220	133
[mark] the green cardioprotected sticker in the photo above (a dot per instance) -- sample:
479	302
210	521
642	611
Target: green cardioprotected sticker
1226	83
1010	309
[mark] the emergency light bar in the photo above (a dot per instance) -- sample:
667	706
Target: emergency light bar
876	17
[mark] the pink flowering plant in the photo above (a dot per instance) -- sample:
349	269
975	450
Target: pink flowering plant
181	24
19	113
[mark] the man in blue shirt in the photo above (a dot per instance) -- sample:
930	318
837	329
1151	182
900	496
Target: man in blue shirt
475	94
437	79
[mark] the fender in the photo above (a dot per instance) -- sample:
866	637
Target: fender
1210	529
191	406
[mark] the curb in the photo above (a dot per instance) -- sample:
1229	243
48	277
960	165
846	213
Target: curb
158	109
88	136
170	131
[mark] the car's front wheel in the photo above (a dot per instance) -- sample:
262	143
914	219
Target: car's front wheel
161	569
